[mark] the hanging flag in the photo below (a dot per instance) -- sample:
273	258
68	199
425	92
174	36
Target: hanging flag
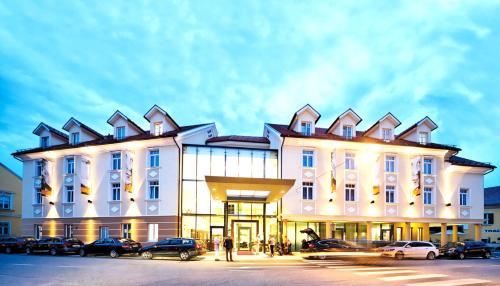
415	167
128	171
46	189
333	183
376	176
84	175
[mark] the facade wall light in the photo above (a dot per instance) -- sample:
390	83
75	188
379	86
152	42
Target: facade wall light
448	205
51	203
89	201
372	202
412	203
132	199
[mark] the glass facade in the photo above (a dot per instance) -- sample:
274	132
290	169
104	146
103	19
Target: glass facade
203	217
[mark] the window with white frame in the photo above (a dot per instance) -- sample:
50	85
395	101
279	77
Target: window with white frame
38	196
427	166
70	165
390	194
153	232
423	138
38	168
390	163
349	161
347	131
126	230
6	200
427	195
306	128
307	158
69	194
464	197
154	158
75	138
38	230
115	192
489	219
103	232
154	190
307	190
44	141
350	192
387	134
116	159
4	228
68	230
158	128
120	132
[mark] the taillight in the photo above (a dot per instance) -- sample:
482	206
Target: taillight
198	246
311	245
126	246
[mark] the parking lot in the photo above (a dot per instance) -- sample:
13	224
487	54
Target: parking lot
21	269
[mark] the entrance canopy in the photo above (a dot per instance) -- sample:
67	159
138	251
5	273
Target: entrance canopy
248	189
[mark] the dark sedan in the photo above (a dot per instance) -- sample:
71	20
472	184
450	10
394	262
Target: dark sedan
14	244
184	248
54	246
465	249
316	244
113	247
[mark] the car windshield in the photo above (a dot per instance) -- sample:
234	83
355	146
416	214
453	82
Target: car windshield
454	244
126	240
398	244
72	240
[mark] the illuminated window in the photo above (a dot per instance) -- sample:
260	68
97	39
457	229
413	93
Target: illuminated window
305	128
347	131
158	128
390	194
423	138
115	192
350	192
427	196
349	161
154	158
464	197
307	159
427	166
154	190
75	138
70	165
44	141
116	161
153	232
126	230
120	132
307	190
70	192
387	134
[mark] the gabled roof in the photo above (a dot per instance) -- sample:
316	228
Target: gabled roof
305	107
426	119
10	171
237	138
337	120
72	120
155	107
118	113
51	129
387	116
460	161
492	196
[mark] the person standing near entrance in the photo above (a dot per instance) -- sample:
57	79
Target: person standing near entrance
272	243
228	245
216	247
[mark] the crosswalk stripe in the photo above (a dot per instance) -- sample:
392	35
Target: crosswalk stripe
412	277
371	268
457	282
385	272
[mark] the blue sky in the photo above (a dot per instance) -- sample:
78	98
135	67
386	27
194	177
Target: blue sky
241	64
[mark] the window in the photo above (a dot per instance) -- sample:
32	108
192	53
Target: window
38	231
4	228
126	230
423	138
347	131
44	141
349	161
115	192
38	168
75	138
307	190
305	128
154	158
387	134
390	163
69	194
153	232
103	232
68	230
38	196
117	161
350	192
488	218
427	196
158	128
307	159
70	165
420	235
427	166
5	201
464	197
120	132
154	190
390	193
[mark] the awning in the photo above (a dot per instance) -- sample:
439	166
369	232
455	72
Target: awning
248	189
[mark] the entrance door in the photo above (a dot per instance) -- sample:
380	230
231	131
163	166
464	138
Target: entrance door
216	231
244	233
244	237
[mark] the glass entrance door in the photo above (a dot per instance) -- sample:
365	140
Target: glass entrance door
216	231
244	237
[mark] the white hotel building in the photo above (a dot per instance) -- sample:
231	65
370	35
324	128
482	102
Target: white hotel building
187	181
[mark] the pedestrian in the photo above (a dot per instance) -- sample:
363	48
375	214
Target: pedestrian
216	247
228	245
288	246
272	243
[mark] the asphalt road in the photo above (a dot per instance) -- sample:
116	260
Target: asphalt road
21	269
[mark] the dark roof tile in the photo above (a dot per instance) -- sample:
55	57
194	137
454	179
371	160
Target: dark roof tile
460	161
237	138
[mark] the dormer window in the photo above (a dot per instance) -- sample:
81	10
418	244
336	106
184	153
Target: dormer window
75	138
305	128
423	138
44	141
158	128
387	134
347	131
120	132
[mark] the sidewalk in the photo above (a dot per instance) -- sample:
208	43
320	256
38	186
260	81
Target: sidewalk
261	256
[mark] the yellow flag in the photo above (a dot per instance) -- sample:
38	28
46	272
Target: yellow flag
84	189
376	190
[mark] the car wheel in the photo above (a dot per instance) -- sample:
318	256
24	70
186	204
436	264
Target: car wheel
431	255
82	253
53	251
486	255
184	255
461	256
113	254
147	255
399	255
29	250
8	250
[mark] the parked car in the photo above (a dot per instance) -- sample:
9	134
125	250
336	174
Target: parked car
113	247
410	249
465	249
316	244
14	244
184	248
54	246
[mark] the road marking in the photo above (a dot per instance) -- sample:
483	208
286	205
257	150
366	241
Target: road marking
322	261
22	264
385	272
456	282
347	267
372	268
412	277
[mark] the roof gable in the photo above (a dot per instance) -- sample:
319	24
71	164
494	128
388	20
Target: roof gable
42	126
119	114
389	116
350	112
73	122
426	120
306	107
158	109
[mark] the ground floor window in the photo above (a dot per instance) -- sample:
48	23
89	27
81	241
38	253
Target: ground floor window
4	228
488	219
399	233
126	230
68	230
38	231
103	232
153	232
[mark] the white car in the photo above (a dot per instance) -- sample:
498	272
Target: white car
410	249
